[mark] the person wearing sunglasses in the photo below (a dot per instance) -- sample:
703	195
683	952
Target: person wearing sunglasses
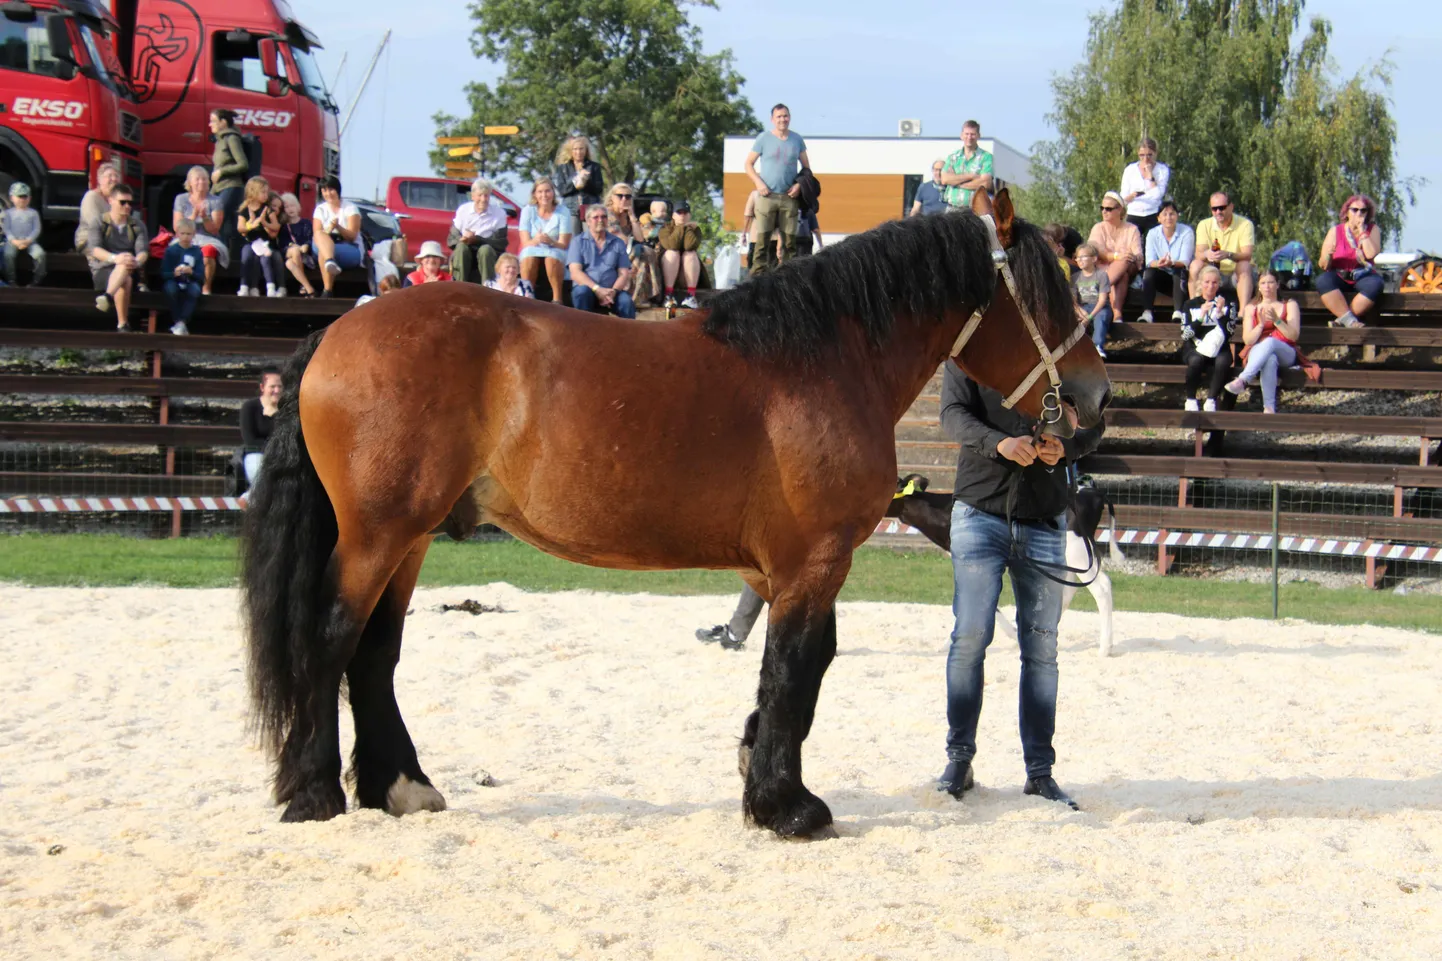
622	221
1225	241
1349	284
116	250
1119	250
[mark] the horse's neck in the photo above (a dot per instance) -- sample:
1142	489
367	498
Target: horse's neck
911	358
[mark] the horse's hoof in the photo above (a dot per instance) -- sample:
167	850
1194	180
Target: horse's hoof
315	803
407	797
800	815
743	759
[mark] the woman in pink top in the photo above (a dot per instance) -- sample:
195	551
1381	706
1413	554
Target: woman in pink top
1346	263
1119	248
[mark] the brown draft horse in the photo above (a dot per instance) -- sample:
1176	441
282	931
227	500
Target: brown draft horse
765	424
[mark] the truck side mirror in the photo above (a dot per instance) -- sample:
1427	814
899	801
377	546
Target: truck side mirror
58	37
274	87
270	59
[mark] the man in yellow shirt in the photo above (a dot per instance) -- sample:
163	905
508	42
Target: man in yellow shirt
1225	240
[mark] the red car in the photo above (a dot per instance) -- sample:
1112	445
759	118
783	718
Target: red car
429	205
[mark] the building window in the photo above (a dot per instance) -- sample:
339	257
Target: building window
910	185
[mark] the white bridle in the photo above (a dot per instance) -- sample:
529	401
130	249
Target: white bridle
1051	411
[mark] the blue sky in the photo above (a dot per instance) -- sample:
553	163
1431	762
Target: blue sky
848	67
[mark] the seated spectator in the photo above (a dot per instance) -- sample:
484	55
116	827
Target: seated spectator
430	266
257	420
621	220
177	274
95	205
1144	186
576	177
478	235
680	243
388	284
1224	241
508	279
1270	329
929	199
1349	284
546	231
117	248
600	269
1119	249
21	225
1206	352
1092	288
297	243
1171	246
259	227
336	230
1055	236
205	211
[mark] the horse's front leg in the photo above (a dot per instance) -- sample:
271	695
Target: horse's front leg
800	643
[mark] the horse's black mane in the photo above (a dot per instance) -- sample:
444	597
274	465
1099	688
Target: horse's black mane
922	266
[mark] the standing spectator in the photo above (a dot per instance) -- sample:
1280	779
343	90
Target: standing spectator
1224	241
430	266
808	234
257	420
1208	321
1270	329
117	248
680	243
1119	249
478	235
1144	186
206	213
600	269
1348	253
335	228
21	226
1170	248
1009	514
748	232
577	177
967	170
929	196
546	231
297	241
782	155
95	205
258	227
508	279
621	220
228	172
1092	290
177	273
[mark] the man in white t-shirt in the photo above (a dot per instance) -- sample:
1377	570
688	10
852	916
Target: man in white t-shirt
1144	186
478	235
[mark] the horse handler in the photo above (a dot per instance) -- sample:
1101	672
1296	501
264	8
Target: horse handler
1010	500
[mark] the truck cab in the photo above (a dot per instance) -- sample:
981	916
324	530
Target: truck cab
64	104
189	57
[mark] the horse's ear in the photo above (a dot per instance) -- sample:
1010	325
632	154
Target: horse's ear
1004	213
980	203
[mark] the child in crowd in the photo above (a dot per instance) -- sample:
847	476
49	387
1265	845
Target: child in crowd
653	222
258	227
1092	289
22	233
177	270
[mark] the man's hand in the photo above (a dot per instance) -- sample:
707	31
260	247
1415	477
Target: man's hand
606	295
795	191
763	191
125	260
1018	450
1050	450
1214	256
467	237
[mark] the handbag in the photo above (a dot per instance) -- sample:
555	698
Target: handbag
159	242
1211	345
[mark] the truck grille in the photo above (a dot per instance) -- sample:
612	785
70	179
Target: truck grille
134	172
332	160
130	128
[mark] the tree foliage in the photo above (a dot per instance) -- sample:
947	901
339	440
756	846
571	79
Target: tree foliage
630	74
1234	104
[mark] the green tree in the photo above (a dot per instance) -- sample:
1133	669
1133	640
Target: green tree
630	74
1234	105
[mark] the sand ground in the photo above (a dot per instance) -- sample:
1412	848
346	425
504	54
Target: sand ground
1250	790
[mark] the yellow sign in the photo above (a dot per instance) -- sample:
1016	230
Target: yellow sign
459	169
504	131
458	141
461	152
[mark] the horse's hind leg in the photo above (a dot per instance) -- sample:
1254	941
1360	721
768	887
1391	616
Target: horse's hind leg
384	765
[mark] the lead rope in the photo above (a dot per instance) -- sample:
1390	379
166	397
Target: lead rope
1045	568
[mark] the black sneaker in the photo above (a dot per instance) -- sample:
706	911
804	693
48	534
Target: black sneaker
1047	787
956	780
710	635
326	293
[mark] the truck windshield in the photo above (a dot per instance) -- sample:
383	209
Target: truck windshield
104	66
312	84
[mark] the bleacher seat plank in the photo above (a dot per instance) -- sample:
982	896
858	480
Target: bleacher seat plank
126	386
1237	468
1333	378
18	483
1364	425
1312	335
1150	517
119	340
120	435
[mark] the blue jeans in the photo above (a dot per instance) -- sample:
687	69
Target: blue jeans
1101	326
981	548
583	298
182	300
1264	358
37	258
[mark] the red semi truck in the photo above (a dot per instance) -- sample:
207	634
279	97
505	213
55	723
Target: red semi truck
82	83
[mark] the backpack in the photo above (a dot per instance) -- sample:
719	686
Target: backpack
1292	265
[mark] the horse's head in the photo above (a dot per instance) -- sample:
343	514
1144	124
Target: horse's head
1032	331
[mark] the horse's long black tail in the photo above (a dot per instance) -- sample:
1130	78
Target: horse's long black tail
287	591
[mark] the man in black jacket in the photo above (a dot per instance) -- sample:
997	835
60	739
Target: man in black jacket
1010	499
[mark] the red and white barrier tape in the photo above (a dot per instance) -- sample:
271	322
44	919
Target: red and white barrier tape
70	505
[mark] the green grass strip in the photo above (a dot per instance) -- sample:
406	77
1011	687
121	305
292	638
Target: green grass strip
877	574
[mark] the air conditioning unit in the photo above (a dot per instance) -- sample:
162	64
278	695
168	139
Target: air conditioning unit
909	128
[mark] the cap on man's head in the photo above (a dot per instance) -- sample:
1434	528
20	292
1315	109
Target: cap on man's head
18	189
683	206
